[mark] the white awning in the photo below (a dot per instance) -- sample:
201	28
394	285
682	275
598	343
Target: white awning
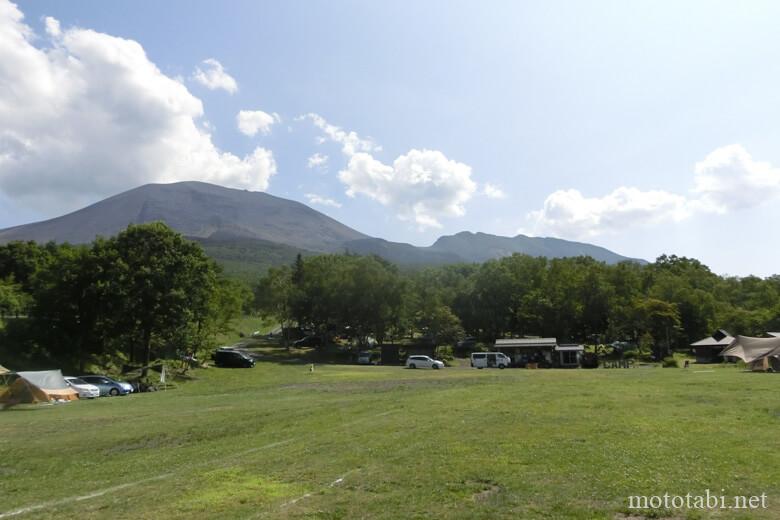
751	349
570	348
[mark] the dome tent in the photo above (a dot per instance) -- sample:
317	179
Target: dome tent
36	387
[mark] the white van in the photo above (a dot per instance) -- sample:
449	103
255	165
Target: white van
490	360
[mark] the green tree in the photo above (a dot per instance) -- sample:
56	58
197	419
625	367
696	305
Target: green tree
13	301
69	312
161	283
660	319
274	297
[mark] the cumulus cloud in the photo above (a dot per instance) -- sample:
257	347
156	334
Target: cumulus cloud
250	122
569	214
421	186
350	141
313	198
213	76
88	114
729	179
317	160
492	191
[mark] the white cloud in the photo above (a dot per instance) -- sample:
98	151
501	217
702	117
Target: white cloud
492	191
317	160
250	122
351	142
729	179
421	186
313	198
213	77
52	26
568	214
89	115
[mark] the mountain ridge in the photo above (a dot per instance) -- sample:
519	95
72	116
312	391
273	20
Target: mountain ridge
220	217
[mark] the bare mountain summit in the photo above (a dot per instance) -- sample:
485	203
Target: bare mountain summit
197	210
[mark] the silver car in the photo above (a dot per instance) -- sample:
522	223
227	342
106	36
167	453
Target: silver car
85	390
423	362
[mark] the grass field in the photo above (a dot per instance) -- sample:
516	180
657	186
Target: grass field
384	442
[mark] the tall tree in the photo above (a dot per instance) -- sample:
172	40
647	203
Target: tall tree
163	283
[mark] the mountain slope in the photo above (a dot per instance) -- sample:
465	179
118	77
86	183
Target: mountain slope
197	210
249	231
401	253
479	247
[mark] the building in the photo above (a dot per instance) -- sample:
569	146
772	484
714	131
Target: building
523	351
544	352
569	356
708	350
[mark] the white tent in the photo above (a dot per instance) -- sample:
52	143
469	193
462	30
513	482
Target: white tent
758	353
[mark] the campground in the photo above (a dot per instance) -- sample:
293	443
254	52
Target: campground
277	441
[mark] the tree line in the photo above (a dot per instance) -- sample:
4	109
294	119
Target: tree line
663	305
143	294
149	292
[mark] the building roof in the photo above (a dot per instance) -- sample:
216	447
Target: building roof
570	348
720	338
526	342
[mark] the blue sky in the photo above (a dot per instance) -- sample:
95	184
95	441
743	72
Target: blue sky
645	127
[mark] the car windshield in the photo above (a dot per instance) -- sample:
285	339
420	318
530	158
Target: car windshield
76	381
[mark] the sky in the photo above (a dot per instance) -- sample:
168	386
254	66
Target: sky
648	128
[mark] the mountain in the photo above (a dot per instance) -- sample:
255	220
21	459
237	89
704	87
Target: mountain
479	247
249	231
197	210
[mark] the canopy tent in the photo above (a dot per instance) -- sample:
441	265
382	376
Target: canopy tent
3	370
761	353
36	387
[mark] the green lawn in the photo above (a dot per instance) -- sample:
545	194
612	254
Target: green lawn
383	442
245	325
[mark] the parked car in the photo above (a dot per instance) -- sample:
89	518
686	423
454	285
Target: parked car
467	343
230	358
85	390
108	386
308	341
367	358
423	362
490	360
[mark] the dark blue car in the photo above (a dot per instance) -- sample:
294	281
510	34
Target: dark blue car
108	386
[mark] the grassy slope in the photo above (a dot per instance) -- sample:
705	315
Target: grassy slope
457	443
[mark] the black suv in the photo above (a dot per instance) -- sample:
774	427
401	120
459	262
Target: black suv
228	358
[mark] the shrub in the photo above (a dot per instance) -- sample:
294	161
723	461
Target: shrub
444	353
669	362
